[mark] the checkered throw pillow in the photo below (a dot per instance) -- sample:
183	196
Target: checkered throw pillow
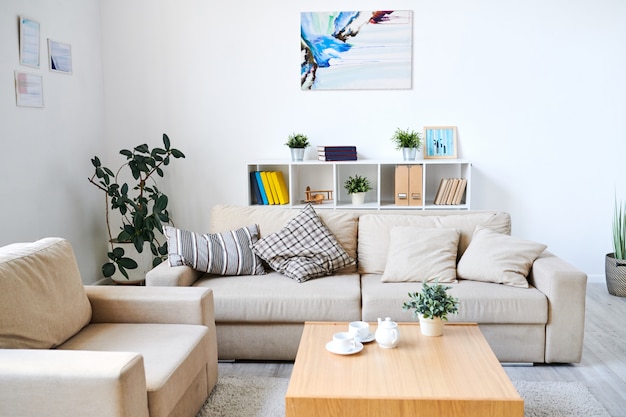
228	253
303	249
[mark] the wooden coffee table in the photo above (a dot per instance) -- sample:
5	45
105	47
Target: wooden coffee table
453	375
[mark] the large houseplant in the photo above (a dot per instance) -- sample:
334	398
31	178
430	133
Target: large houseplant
407	140
615	263
432	305
141	205
357	186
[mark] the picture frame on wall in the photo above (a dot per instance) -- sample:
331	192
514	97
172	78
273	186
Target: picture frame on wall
28	89
59	56
29	42
440	142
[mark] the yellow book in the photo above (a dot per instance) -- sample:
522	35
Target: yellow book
281	187
271	178
266	185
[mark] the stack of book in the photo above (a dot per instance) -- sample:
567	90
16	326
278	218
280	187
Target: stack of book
336	153
450	191
268	187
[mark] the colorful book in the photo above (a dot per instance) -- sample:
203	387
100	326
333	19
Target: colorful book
337	157
254	185
273	186
281	187
266	186
259	181
336	149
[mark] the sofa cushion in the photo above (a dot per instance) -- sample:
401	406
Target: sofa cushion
42	298
303	249
373	235
272	298
172	354
479	302
499	258
418	254
342	224
226	253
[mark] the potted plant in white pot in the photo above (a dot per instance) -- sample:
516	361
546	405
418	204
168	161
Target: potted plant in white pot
615	263
408	141
357	186
432	305
297	143
142	208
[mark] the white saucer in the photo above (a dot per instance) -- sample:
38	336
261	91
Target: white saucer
370	337
330	347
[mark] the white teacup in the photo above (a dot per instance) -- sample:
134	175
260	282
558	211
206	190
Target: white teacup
359	329
344	341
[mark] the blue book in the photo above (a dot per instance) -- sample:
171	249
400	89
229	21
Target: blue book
259	182
256	192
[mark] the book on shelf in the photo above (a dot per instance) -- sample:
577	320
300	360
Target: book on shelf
336	149
259	181
281	188
450	191
338	157
256	192
266	187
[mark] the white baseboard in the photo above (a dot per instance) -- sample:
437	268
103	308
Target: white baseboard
596	278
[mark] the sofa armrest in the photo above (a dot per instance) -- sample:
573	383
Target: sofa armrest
38	383
566	288
127	304
164	275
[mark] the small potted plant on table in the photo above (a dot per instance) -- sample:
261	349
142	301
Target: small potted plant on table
432	305
297	142
408	141
357	186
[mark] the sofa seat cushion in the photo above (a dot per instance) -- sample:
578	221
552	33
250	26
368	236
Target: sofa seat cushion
479	302
42	298
172	354
276	298
374	231
342	224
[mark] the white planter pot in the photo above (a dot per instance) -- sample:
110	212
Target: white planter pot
431	327
408	154
297	154
144	264
358	198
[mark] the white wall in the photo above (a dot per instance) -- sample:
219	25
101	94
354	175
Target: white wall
45	152
536	89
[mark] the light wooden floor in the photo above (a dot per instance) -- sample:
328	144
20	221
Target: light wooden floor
602	369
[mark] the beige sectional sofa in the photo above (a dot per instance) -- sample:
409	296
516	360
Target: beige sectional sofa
260	317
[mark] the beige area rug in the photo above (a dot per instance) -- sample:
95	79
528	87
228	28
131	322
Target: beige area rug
265	397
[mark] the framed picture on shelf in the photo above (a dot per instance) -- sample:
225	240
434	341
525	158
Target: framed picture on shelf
440	142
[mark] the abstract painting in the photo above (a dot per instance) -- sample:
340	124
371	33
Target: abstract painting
440	142
356	50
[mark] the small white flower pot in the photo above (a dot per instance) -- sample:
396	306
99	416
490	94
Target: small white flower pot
431	327
358	198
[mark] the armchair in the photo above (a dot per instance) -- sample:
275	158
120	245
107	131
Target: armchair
110	351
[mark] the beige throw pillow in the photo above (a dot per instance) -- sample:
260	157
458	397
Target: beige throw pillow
418	254
499	258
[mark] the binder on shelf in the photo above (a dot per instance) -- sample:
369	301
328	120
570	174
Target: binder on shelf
415	185
256	192
259	181
280	186
266	186
401	194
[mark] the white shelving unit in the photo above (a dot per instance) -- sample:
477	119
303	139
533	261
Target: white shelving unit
321	175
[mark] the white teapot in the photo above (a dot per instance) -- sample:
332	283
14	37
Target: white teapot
387	333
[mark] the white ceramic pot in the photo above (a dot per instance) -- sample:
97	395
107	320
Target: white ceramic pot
297	154
358	198
408	154
431	327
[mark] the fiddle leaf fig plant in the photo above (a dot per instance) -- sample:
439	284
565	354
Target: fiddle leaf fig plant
433	301
141	205
357	184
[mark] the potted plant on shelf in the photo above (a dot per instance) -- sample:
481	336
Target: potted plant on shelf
297	142
615	263
357	186
408	141
432	305
142	208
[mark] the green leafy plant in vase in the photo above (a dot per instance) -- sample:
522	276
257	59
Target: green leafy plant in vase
357	186
409	141
142	207
297	142
615	263
432	305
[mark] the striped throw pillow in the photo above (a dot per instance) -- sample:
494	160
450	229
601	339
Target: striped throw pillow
227	253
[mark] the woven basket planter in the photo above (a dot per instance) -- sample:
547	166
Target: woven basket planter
615	272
